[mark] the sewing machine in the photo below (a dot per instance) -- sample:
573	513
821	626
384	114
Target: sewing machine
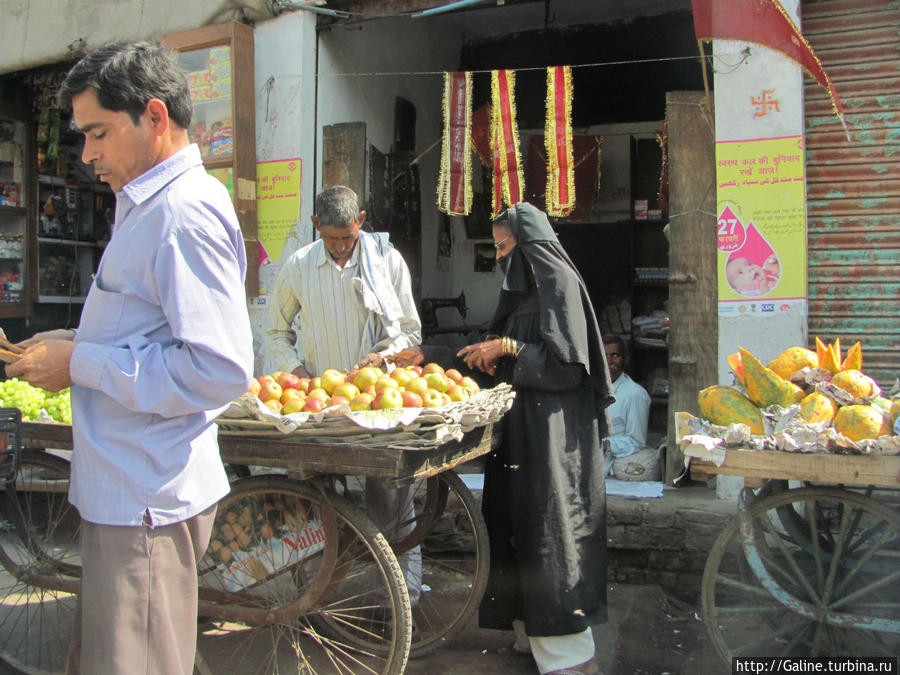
428	311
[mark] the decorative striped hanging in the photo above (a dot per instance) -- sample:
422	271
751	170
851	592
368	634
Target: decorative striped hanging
454	192
507	167
558	142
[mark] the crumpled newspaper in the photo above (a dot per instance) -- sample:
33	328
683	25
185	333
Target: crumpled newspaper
395	427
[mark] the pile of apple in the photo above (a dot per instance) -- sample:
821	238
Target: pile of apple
370	388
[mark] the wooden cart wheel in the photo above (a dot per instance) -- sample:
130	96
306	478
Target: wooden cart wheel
825	584
40	555
453	543
297	578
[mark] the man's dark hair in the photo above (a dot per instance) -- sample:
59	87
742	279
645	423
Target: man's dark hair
337	206
613	339
126	75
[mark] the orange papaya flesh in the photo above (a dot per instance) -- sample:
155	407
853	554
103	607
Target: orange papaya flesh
835	348
827	358
726	405
734	360
858	422
821	351
854	358
764	387
793	359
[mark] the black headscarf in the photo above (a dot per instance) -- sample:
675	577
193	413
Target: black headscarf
568	323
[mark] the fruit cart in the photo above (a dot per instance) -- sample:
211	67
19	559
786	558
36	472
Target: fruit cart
296	574
810	564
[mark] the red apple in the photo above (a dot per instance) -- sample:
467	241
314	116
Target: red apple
288	381
362	402
432	368
315	383
304	384
432	399
389	397
416	369
412	400
437	381
337	400
314	405
454	375
330	379
269	390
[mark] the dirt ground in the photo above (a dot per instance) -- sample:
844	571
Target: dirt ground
648	633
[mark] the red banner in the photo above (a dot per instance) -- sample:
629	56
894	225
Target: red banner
507	169
766	23
455	178
558	141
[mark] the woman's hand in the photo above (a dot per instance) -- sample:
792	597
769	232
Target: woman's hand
483	355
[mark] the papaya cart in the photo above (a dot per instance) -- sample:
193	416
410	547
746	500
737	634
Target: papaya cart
296	575
810	565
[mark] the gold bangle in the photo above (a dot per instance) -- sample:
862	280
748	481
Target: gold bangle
519	348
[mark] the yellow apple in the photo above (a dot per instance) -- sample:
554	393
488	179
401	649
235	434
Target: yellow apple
269	390
254	387
417	385
401	376
469	385
385	382
432	368
348	390
432	399
457	393
314	383
437	381
361	402
389	397
289	394
319	393
293	405
274	404
331	378
366	376
454	375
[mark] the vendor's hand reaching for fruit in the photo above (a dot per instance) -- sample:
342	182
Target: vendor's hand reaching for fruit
372	359
483	355
45	364
414	356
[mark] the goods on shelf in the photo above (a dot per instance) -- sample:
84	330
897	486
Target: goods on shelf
801	401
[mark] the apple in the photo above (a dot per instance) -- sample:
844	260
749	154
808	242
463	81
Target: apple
289	394
437	381
254	386
469	385
446	398
457	392
411	400
288	381
385	382
401	376
417	385
416	369
304	384
432	399
347	390
276	374
389	397
265	378
331	378
315	383
370	390
366	376
314	405
432	368
337	400
293	405
319	393
274	404
454	375
269	390
361	402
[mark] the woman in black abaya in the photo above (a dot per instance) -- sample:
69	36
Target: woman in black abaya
544	497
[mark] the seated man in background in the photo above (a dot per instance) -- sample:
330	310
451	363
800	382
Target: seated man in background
628	458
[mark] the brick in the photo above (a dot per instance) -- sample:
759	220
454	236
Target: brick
624	512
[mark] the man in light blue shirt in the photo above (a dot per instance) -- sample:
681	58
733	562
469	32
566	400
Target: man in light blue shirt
630	411
164	343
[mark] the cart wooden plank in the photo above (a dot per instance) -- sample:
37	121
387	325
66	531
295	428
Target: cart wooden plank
878	470
401	466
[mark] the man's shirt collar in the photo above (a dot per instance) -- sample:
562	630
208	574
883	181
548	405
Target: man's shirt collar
154	179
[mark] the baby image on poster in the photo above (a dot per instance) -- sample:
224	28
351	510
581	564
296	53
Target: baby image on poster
753	270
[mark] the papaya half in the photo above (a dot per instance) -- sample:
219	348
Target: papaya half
764	387
726	405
